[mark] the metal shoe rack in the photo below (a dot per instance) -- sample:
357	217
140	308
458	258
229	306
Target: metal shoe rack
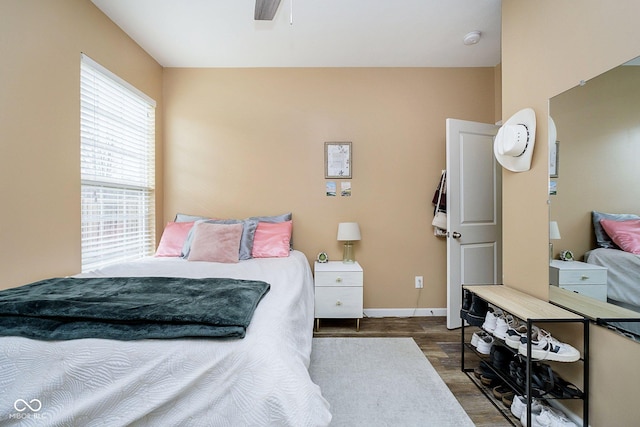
532	311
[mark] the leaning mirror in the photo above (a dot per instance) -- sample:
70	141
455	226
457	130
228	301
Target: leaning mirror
595	199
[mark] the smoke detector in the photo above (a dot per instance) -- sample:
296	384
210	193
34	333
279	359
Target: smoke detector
472	38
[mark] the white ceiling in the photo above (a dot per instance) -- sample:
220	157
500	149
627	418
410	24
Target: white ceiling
324	33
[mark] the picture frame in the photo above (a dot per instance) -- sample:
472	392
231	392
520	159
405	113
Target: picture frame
553	159
337	160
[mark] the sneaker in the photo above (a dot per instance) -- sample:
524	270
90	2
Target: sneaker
536	410
477	311
477	336
490	321
466	304
482	368
488	379
500	390
484	344
519	407
507	399
534	416
500	357
503	324
549	417
515	333
545	347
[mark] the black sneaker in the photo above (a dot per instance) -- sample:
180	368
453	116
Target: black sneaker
500	357
466	304
477	311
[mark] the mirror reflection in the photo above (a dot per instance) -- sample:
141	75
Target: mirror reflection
595	199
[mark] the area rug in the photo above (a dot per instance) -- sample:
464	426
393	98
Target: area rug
382	382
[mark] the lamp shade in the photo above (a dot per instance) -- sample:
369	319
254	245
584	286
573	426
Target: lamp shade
348	231
554	231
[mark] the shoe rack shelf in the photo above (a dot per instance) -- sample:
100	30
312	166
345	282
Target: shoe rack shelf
531	311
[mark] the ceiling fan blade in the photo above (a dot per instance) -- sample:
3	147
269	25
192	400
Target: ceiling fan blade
265	10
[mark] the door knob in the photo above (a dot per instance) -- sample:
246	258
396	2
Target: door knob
456	235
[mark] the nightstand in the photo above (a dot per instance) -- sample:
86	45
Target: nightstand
338	291
580	277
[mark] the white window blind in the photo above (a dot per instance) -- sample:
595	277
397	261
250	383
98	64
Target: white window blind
117	162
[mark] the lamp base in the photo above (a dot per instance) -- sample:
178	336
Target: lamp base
348	255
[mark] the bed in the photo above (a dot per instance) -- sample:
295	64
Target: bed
261	379
623	275
617	240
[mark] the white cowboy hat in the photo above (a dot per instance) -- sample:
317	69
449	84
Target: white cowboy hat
513	146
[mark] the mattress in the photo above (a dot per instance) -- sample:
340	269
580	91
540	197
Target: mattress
623	284
259	380
623	274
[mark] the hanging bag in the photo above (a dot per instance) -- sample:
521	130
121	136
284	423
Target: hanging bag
440	217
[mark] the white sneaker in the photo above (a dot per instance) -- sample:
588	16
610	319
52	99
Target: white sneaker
502	326
536	410
519	406
484	344
476	337
551	418
515	334
490	321
545	347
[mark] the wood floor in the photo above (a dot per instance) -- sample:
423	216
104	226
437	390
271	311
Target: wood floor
440	345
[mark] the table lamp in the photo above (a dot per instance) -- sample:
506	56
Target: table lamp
554	234
348	232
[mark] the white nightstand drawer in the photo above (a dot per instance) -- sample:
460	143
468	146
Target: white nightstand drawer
582	277
342	302
576	273
339	278
598	292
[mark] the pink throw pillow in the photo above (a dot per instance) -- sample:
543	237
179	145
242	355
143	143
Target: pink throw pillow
173	237
216	242
272	240
625	234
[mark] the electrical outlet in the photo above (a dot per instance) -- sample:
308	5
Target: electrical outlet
419	282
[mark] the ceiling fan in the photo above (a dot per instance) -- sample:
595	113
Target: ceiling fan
265	10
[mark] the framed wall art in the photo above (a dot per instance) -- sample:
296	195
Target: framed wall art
337	160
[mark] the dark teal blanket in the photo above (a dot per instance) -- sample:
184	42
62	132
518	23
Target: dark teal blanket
130	308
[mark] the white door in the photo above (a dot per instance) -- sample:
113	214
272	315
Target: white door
474	211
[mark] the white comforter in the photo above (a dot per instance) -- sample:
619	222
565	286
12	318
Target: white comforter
261	380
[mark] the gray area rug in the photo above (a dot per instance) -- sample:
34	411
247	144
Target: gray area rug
382	382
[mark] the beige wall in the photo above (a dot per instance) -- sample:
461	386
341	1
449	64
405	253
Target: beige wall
40	46
599	132
548	47
242	142
395	119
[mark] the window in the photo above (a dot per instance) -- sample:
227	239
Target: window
117	163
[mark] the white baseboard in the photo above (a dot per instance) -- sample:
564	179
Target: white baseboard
404	312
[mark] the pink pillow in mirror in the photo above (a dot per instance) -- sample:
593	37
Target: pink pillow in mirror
625	234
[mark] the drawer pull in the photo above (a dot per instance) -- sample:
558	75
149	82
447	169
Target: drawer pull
339	279
584	277
338	302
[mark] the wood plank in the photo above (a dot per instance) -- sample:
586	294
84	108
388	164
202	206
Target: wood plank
589	307
519	304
